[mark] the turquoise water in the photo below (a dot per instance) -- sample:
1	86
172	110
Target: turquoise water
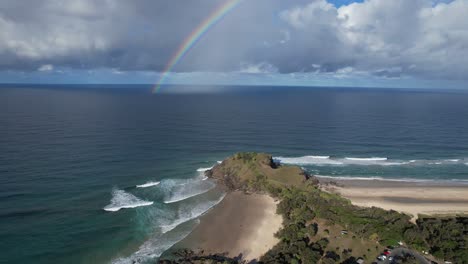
67	154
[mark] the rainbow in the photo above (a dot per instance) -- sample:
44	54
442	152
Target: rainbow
219	13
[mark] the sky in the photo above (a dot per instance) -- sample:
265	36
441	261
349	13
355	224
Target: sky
369	43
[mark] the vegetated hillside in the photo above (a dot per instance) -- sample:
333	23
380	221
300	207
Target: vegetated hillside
313	219
447	237
308	210
254	171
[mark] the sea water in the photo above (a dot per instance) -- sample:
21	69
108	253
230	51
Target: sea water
93	175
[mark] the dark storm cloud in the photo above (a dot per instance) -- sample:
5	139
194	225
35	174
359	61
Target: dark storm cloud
420	38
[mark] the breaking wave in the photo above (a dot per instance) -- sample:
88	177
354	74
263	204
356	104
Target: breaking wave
367	159
204	169
176	190
155	246
308	160
187	213
376	161
188	191
121	199
148	184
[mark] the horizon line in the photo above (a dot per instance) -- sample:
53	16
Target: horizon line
22	85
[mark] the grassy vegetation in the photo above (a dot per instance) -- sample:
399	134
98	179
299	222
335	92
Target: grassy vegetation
312	217
254	172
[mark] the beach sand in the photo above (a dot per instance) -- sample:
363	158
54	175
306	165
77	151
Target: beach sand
241	225
413	198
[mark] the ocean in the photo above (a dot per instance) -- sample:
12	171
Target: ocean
115	175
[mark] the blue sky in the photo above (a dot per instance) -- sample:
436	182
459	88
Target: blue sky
373	43
339	3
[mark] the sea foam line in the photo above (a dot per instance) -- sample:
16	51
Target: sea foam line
192	215
152	248
367	159
175	200
156	245
372	161
376	178
121	199
204	169
148	184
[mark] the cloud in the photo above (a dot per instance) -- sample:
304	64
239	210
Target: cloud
46	68
418	37
387	39
259	68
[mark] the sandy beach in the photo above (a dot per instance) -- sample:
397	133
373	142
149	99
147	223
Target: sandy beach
430	198
241	225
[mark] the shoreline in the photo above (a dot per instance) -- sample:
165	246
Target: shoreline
241	226
393	181
411	197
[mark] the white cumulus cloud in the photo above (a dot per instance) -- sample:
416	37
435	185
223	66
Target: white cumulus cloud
46	68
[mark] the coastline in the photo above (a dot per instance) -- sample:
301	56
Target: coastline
241	225
410	197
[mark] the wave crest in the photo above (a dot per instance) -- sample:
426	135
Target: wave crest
186	214
367	159
187	191
372	161
121	199
204	169
160	242
148	184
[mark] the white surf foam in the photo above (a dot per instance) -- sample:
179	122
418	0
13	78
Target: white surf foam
183	195
153	248
160	242
320	157
148	184
307	160
186	214
376	178
121	199
204	169
327	160
372	161
367	159
181	189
